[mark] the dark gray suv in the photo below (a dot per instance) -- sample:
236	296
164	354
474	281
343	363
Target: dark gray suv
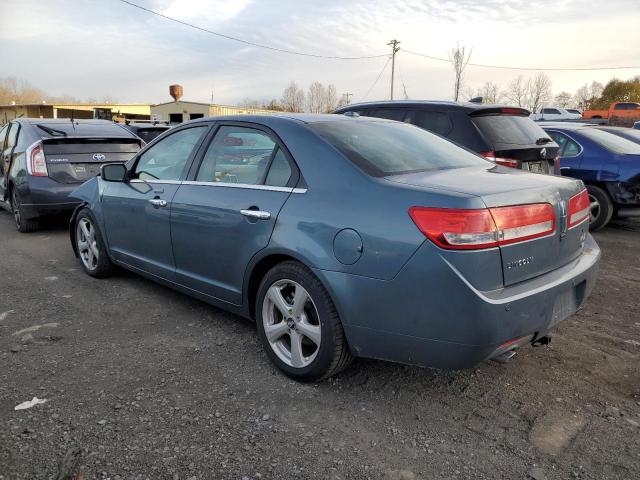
505	135
43	160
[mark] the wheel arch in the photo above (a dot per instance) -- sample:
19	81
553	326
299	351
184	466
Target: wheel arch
259	267
72	227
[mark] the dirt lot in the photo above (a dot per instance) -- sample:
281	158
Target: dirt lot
151	384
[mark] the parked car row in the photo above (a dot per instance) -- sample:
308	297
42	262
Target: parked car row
346	235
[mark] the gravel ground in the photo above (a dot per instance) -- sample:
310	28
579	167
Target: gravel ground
150	384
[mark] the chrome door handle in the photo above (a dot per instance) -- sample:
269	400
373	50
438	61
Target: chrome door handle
259	214
157	202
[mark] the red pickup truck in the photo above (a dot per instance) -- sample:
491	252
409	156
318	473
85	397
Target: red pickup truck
619	113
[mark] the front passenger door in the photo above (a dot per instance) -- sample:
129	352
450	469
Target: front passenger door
137	211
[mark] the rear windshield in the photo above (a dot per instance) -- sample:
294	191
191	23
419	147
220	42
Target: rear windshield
509	130
611	142
390	148
80	129
148	134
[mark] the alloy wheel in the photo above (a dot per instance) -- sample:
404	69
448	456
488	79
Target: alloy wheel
291	323
87	243
594	208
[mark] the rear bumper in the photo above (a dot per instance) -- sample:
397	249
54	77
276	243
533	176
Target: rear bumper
44	196
429	314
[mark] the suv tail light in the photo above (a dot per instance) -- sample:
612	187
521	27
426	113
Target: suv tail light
456	229
579	208
36	164
505	162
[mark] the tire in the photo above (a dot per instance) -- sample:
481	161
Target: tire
601	208
24	225
318	321
90	245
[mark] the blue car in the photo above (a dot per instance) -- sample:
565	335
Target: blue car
345	237
607	162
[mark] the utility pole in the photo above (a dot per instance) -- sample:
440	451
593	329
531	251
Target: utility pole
394	49
346	98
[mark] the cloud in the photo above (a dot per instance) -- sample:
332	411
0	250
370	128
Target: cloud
88	48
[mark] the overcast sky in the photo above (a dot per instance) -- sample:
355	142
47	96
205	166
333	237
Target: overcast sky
92	48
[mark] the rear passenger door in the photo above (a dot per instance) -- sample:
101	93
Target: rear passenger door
226	212
8	140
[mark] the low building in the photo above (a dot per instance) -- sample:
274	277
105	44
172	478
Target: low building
181	111
116	111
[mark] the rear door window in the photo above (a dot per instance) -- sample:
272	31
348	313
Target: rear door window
237	155
568	148
436	122
3	136
505	130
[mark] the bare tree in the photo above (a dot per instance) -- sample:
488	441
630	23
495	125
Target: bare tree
490	93
596	89
517	91
459	58
564	100
316	98
582	97
247	102
293	98
540	93
330	101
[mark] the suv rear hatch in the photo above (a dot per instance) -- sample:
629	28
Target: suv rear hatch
72	156
501	187
516	141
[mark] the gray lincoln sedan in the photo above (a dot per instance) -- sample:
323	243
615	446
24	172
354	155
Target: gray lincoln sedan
345	237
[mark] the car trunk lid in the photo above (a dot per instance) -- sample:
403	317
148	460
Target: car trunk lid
504	187
77	159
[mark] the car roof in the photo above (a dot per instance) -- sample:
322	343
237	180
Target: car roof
53	121
296	118
447	104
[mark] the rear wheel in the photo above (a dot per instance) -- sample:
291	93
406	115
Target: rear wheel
24	225
91	249
601	208
298	324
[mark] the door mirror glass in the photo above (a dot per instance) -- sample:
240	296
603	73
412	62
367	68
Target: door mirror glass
113	172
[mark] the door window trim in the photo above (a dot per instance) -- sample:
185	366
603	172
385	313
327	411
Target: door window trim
248	186
570	138
296	174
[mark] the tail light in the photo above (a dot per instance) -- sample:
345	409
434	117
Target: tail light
36	165
455	229
505	162
579	208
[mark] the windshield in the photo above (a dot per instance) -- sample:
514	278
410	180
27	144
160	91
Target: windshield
390	148
611	142
509	130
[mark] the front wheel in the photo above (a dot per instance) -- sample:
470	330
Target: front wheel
601	208
298	324
91	249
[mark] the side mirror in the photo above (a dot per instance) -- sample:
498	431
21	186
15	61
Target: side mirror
113	172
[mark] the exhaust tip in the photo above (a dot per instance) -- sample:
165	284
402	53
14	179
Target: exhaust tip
505	357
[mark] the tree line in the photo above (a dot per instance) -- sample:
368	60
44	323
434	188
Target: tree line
536	92
318	98
20	91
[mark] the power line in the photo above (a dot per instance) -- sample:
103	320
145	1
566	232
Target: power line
247	42
376	81
503	67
